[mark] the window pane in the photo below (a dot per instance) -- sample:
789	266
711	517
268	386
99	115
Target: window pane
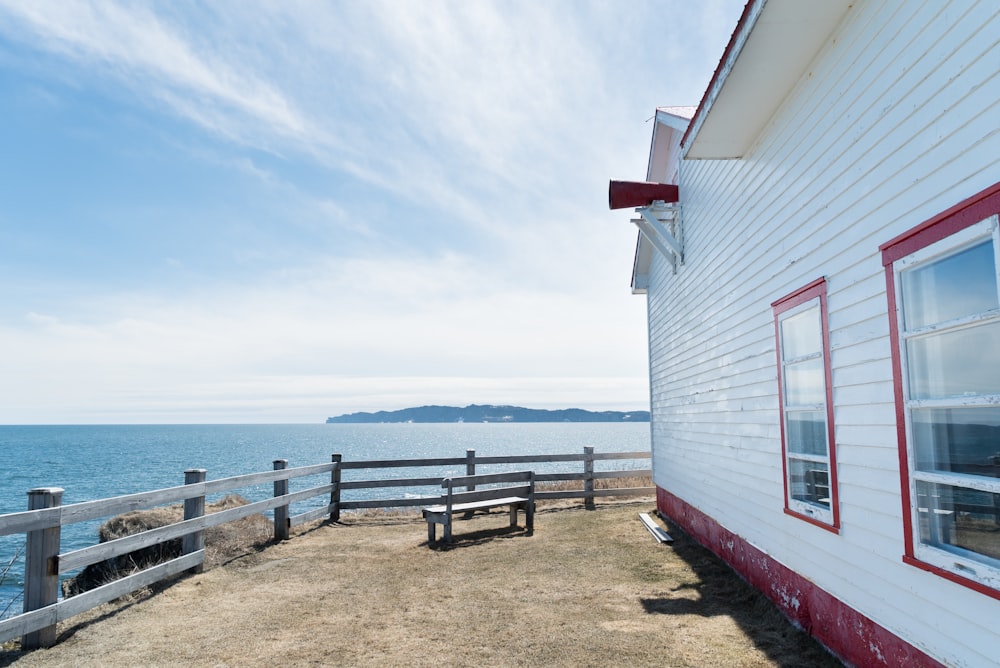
800	334
957	440
804	383
957	363
809	482
807	432
959	285
953	516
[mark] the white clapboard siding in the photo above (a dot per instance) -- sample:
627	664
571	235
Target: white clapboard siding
895	121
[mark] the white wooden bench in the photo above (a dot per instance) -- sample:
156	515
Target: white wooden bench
518	492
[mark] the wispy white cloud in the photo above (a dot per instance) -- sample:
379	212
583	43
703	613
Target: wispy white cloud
471	100
436	174
147	53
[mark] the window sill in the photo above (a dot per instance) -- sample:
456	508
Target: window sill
952	576
832	528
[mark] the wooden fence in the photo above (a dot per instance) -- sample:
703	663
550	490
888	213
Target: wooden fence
46	515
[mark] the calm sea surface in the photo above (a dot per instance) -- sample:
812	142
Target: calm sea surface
95	462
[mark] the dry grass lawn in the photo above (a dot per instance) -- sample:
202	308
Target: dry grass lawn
589	588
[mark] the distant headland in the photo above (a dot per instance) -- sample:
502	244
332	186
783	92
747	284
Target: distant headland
476	413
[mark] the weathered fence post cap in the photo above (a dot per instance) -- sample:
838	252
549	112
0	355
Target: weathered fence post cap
46	490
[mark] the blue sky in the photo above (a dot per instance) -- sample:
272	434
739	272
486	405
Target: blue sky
280	211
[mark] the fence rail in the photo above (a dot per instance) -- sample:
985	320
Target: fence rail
46	516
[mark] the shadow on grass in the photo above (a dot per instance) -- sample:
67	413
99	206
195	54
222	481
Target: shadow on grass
720	591
465	539
9	657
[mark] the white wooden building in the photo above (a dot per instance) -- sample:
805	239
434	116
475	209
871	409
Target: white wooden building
824	320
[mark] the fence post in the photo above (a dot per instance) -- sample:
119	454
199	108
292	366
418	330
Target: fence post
41	567
470	466
335	493
281	512
588	477
470	469
194	507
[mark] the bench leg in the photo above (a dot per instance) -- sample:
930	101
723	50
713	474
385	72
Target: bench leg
447	529
513	514
431	533
529	516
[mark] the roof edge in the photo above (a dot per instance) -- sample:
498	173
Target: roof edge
751	12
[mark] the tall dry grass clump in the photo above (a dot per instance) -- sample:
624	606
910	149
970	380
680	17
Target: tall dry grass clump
222	543
7	605
625	482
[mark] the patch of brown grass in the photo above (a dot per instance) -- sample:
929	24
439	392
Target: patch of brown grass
587	588
599	483
222	543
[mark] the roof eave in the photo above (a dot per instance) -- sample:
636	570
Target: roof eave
772	47
640	265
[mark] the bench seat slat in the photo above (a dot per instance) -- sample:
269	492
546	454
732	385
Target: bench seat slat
476	505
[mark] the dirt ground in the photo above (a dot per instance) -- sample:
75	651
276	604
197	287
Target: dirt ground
589	588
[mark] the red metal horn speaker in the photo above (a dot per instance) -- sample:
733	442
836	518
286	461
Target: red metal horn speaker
631	194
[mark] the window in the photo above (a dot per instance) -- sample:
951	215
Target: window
944	294
804	387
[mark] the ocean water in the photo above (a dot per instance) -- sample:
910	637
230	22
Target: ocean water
95	462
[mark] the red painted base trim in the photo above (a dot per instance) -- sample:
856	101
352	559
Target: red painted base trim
847	633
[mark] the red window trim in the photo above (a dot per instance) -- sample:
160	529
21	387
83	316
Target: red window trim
965	214
814	290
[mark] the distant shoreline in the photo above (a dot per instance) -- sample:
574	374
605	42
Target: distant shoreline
487	413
